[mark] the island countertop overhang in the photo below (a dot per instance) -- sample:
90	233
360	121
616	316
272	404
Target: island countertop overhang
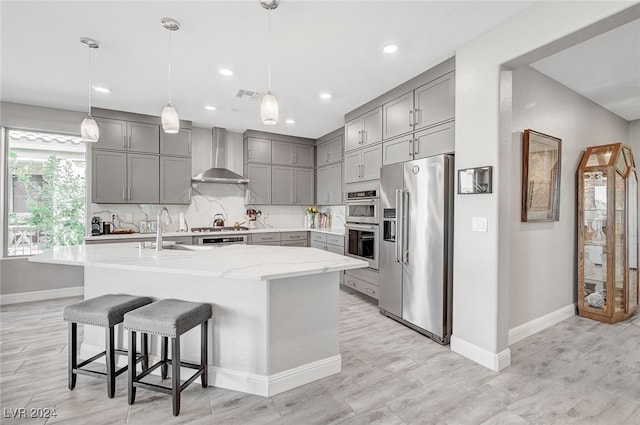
251	262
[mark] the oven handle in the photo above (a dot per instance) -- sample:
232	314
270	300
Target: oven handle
359	227
360	201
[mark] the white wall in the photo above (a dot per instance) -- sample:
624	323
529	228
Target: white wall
541	257
634	139
480	315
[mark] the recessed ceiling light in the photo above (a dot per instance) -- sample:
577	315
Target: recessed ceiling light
101	89
390	49
325	95
225	72
210	108
290	121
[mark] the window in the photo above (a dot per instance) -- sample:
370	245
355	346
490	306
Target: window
46	191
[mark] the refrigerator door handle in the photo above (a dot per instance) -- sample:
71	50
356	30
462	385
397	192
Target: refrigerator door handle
405	227
398	241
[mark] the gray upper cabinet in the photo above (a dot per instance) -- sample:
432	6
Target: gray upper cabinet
398	116
259	188
329	152
397	150
363	164
108	177
364	130
113	134
434	140
292	186
143	175
178	144
435	102
143	137
304	186
329	185
284	153
258	150
175	180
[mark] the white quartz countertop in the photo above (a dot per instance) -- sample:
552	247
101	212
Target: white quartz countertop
237	261
339	231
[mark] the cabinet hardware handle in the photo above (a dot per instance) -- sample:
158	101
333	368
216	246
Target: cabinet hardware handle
124	195
416	146
364	136
328	156
417	116
359	137
249	153
189	147
410	118
295	158
124	143
129	196
129	137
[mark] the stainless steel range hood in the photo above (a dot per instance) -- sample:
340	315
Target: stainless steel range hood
218	174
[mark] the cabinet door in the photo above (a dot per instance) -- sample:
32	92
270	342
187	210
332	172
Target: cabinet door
397	150
304	186
329	152
435	140
108	177
143	137
176	144
371	163
329	185
435	102
353	134
143	173
113	133
303	155
372	126
352	166
282	185
259	187
282	153
398	116
175	180
258	150
294	243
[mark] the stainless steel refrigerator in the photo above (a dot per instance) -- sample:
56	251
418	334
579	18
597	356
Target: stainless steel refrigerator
416	199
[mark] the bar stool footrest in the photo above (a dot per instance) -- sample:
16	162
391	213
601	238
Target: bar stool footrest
138	383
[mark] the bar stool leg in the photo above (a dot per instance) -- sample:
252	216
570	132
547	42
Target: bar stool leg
145	352
175	374
204	346
132	367
111	361
73	353
164	356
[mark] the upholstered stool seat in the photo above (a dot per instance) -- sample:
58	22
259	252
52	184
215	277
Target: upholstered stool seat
168	318
106	311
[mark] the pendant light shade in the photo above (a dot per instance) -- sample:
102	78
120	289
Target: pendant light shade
169	116
170	120
269	109
89	128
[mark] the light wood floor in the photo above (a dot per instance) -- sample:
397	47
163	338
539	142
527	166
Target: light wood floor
577	372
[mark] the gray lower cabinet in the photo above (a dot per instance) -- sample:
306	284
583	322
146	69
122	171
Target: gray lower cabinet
327	242
176	144
175	180
292	186
361	286
108	177
294	238
143	176
329	185
140	237
272	239
259	187
363	164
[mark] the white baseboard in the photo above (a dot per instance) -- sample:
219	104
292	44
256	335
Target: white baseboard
48	294
493	361
536	325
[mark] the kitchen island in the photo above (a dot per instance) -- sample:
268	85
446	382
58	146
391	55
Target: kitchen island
275	309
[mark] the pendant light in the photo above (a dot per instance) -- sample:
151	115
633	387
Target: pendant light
170	120
89	128
269	106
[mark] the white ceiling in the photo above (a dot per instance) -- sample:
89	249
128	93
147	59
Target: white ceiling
317	46
605	69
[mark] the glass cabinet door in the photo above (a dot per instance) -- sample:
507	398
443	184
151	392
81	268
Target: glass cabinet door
595	239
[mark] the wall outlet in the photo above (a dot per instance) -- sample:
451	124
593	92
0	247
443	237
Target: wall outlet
478	224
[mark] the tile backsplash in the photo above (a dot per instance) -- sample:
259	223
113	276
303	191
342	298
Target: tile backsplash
207	201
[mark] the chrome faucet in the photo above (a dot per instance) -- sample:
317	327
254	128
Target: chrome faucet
159	232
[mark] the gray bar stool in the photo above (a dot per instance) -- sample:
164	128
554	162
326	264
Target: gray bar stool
168	318
106	311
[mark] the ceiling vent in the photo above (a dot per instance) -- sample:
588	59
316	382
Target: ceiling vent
248	94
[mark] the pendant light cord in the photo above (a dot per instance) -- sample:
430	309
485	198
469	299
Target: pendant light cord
269	51
170	79
90	80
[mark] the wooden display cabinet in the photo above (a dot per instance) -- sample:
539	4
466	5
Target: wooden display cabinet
607	233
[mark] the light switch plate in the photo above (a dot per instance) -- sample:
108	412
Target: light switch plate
478	224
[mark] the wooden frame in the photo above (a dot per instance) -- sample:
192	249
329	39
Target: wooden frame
475	180
541	159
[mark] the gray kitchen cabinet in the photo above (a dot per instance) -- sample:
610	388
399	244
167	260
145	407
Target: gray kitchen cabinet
434	140
301	244
272	239
178	144
258	150
108	177
329	152
259	187
364	130
113	133
284	153
143	175
292	186
294	238
363	164
397	150
327	242
397	116
175	180
329	185
143	137
361	286
435	102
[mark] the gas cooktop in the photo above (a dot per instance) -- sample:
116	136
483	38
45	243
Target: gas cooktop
219	229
